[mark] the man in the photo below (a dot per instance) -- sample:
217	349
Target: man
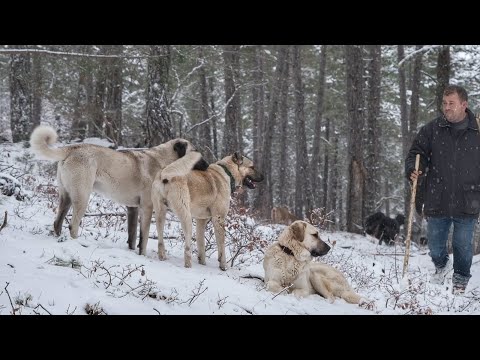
449	148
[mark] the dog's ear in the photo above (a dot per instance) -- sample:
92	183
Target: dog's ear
201	164
298	230
237	158
180	148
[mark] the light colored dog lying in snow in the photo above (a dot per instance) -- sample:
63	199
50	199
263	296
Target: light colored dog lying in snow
288	264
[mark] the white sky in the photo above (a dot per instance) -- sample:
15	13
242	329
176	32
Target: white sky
30	262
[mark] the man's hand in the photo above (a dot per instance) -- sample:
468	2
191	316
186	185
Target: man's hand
415	174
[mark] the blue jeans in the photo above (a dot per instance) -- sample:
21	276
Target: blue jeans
462	242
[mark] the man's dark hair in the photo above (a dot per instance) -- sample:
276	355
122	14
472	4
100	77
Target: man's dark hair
462	93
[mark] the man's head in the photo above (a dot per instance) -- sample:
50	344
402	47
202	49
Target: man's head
455	101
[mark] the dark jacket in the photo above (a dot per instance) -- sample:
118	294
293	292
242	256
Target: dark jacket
451	166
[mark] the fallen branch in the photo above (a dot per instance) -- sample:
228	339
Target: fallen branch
285	288
392	254
252	277
9	298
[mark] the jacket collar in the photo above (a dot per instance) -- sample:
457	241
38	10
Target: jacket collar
472	123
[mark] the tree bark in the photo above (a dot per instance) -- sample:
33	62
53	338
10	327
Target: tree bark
443	74
355	109
315	164
372	181
303	198
20	97
158	126
232	100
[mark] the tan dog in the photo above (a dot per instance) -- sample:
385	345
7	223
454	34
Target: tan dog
123	176
288	264
281	215
202	196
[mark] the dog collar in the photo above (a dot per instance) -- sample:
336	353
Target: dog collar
286	250
232	180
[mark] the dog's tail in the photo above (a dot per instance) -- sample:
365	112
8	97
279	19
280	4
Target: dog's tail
43	136
181	167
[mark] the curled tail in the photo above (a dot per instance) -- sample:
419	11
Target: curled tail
180	167
43	136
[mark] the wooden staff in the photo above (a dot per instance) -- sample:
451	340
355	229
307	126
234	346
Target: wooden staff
410	218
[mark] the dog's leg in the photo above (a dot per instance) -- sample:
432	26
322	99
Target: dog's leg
63	207
183	213
145	218
200	231
274	286
219	229
160	216
80	202
320	287
132	221
350	297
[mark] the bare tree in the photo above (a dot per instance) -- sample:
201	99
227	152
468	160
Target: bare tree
232	99
205	141
20	96
355	109
114	89
36	89
443	74
264	201
372	181
303	196
158	127
284	146
315	164
258	101
84	101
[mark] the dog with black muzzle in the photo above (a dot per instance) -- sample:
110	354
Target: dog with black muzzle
200	195
288	265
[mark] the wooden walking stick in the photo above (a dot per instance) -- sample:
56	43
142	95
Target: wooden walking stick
410	218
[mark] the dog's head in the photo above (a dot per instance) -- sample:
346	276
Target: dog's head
244	169
305	237
182	146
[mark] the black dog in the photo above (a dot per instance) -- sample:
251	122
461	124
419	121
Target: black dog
383	227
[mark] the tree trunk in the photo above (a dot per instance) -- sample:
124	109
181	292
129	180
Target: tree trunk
232	100
114	88
20	97
355	109
84	102
414	109
264	202
443	74
284	148
214	118
96	130
315	164
336	208
327	149
258	103
205	138
302	184
36	90
372	181
158	127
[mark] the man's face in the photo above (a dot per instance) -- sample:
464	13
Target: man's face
454	108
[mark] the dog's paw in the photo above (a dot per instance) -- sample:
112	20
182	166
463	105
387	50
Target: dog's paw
367	304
